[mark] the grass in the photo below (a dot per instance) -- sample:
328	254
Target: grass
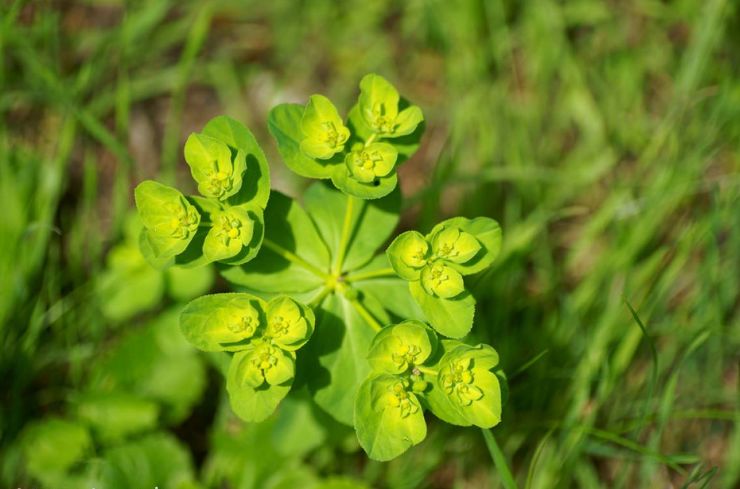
602	135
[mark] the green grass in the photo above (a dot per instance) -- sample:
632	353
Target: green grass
602	135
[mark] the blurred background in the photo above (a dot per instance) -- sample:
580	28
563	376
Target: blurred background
604	135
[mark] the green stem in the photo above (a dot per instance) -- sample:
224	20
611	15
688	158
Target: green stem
290	256
426	370
316	302
346	233
498	459
383	272
362	311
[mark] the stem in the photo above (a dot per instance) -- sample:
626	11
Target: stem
498	459
383	272
371	139
290	256
346	233
426	370
362	311
316	302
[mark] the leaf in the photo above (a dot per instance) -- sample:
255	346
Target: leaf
250	404
450	317
408	254
485	230
284	123
334	362
290	229
379	187
184	284
222	322
395	292
323	131
52	446
371	222
256	180
116	415
384	429
129	284
157	460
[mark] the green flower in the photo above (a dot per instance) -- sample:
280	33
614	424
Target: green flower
466	380
442	281
287	323
261	363
232	230
400	400
378	105
211	166
324	131
397	348
366	163
170	221
222	322
408	254
454	245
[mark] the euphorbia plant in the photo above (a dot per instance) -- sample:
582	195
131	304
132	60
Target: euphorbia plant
375	335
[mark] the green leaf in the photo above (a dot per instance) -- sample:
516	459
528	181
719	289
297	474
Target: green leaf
256	180
116	415
395	292
289	323
408	254
157	460
450	317
284	123
371	222
249	403
290	229
335	364
129	284
485	230
184	284
379	187
399	347
324	133
212	168
388	419
52	446
222	322
170	221
466	392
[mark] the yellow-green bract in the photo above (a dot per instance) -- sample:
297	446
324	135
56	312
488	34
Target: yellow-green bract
264	337
435	265
315	142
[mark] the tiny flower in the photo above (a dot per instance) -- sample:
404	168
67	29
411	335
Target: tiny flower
454	245
211	165
287	325
262	363
408	254
379	108
398	348
440	280
232	230
323	129
366	163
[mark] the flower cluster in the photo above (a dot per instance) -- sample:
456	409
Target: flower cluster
359	155
224	223
264	337
412	368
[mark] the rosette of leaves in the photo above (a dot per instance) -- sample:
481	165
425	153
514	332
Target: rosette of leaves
434	266
263	338
225	222
360	154
411	371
